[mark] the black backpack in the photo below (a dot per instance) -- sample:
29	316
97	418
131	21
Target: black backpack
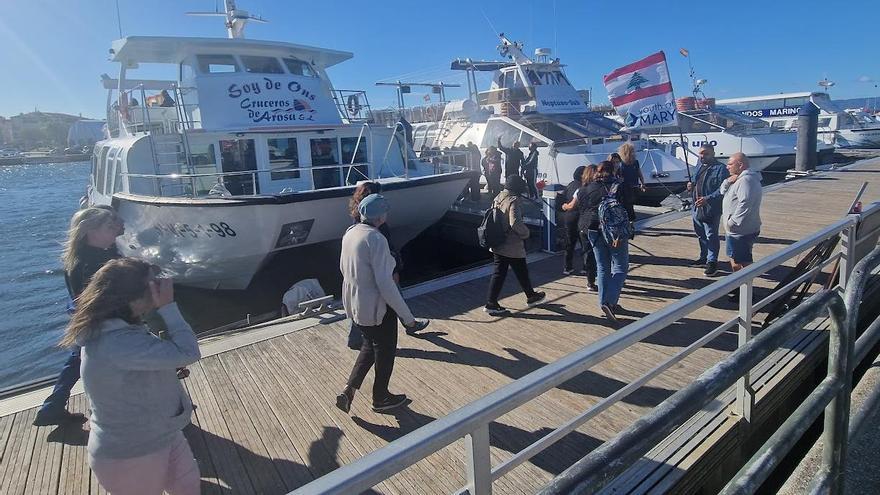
493	229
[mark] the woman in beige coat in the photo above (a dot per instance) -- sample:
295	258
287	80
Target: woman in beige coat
512	253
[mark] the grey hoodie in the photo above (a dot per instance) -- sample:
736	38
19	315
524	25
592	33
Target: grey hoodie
741	207
130	379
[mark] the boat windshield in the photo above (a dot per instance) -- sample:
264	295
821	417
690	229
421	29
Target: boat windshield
572	127
719	119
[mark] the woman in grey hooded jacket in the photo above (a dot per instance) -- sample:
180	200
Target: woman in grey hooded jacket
139	407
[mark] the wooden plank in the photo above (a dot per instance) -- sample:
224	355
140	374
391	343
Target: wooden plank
74	470
20	458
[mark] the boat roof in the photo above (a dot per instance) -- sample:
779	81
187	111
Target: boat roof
803	94
479	65
173	49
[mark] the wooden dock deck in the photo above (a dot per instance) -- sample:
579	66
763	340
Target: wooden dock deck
266	421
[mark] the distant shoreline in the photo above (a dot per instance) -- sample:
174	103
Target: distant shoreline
28	160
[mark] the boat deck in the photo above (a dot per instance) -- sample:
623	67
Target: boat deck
266	421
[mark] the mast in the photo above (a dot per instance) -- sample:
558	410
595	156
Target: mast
236	18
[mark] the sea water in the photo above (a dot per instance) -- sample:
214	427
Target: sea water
36	203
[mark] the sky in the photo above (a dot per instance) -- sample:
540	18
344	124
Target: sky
54	51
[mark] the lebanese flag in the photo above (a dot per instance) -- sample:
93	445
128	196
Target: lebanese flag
639	80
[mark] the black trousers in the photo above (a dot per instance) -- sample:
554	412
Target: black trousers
530	177
379	347
493	183
572	237
520	269
630	195
589	257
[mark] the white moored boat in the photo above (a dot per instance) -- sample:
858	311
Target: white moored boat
532	101
246	151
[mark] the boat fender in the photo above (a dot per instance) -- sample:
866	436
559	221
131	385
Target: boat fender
353	104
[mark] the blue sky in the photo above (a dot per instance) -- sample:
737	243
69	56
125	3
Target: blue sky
55	50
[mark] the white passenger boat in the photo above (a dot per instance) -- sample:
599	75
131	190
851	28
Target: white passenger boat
837	127
532	101
245	151
729	132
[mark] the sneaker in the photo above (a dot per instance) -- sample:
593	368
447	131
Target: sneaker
343	401
568	271
390	402
182	373
582	272
609	313
618	309
535	298
711	268
495	309
592	287
733	295
700	263
417	327
58	418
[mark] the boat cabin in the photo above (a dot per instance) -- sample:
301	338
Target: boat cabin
235	117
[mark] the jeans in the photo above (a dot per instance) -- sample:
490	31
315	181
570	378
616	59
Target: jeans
172	469
520	269
707	234
57	401
379	348
630	195
612	265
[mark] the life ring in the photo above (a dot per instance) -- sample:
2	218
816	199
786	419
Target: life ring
353	104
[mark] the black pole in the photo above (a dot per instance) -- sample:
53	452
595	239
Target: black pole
808	127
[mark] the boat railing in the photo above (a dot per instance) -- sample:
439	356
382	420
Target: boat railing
470	423
353	105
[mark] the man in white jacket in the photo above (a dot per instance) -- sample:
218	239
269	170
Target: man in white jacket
373	303
741	210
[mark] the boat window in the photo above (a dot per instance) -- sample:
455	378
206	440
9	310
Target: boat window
562	79
778	124
204	160
325	162
217	64
299	68
794	102
108	169
283	159
825	122
261	65
533	77
94	165
359	172
238	155
117	173
99	173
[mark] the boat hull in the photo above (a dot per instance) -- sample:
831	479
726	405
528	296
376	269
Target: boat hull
222	243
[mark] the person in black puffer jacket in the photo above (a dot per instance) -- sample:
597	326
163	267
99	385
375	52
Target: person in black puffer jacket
583	176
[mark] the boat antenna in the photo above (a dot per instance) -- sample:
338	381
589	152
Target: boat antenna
236	19
118	19
491	26
555	30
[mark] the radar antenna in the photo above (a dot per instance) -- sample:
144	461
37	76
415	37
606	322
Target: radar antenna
236	19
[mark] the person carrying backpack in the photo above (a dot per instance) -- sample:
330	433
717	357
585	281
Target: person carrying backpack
512	251
605	219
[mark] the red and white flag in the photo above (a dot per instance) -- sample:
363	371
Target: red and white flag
641	93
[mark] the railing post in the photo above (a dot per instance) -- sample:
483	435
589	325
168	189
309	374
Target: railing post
848	254
479	468
835	439
745	395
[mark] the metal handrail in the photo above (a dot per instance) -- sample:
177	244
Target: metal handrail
471	421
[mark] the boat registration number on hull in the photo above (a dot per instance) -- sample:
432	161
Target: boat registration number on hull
195	231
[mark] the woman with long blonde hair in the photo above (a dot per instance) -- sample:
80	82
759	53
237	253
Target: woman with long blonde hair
633	180
139	407
91	242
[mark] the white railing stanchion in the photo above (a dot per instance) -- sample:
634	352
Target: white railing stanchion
477	461
745	394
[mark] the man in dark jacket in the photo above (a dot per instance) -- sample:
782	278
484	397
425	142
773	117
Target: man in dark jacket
530	170
707	208
513	158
